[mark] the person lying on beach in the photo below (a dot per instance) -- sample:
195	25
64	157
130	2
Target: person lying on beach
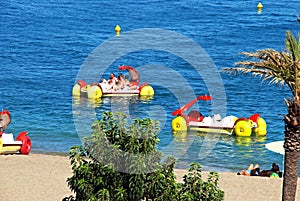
274	172
250	171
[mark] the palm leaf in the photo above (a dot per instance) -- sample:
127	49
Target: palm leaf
278	68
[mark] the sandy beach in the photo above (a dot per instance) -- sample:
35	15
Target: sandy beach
38	177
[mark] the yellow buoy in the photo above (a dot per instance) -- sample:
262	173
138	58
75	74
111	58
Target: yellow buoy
118	29
259	6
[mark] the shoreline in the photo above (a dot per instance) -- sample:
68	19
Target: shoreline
177	166
43	177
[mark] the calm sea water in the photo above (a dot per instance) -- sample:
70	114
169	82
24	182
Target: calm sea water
45	43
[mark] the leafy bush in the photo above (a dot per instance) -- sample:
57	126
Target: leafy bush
194	188
121	162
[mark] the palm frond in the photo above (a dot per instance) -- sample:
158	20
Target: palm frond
293	46
273	66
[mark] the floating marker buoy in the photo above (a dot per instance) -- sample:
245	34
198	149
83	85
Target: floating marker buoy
118	29
259	6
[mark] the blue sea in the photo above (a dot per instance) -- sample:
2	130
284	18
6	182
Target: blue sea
179	47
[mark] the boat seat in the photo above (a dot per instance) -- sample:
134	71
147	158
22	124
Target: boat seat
217	117
8	139
195	115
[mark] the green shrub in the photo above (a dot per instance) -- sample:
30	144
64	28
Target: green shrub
121	162
194	188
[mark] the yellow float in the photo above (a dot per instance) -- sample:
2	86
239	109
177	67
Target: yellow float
94	92
243	127
179	124
261	128
146	90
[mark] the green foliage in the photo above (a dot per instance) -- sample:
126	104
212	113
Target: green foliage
120	162
130	148
278	67
194	188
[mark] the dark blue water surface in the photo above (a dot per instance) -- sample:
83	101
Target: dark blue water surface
44	44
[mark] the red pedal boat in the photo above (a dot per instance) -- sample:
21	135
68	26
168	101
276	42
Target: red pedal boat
112	87
8	144
194	120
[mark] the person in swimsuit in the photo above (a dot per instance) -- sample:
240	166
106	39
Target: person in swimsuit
121	82
255	171
112	82
128	84
250	171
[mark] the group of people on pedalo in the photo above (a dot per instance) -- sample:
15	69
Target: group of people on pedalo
118	83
